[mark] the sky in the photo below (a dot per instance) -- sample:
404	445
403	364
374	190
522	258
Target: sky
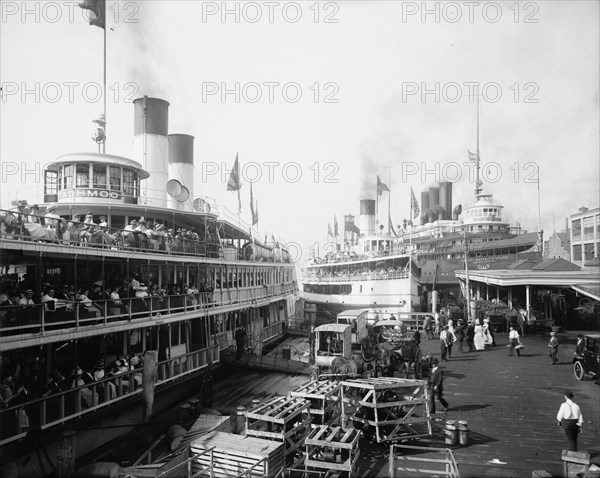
317	99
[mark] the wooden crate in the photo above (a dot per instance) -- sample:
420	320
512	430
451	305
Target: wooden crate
234	454
389	408
283	419
332	448
415	461
325	397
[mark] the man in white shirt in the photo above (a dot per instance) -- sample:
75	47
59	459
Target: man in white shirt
570	418
27	299
513	337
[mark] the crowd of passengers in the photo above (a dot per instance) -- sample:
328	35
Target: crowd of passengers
26	223
358	273
19	302
24	381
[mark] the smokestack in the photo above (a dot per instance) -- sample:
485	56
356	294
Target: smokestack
181	169
446	199
366	221
434	198
424	206
151	147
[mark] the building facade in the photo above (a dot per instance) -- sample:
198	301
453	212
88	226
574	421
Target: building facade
585	235
558	246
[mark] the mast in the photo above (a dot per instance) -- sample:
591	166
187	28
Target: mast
477	167
104	79
389	200
468	293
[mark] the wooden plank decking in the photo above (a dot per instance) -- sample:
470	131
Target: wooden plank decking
510	404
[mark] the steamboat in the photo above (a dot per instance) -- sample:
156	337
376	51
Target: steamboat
401	271
119	291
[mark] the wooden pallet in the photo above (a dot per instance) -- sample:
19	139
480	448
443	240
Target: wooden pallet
389	408
234	454
283	419
332	448
325	399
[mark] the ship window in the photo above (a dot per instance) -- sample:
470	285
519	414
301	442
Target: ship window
115	177
68	176
577	252
83	171
99	171
50	182
128	183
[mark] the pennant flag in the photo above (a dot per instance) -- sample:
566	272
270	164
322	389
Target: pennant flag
335	226
265	238
381	186
392	226
414	205
253	210
97	14
473	156
329	233
234	184
349	225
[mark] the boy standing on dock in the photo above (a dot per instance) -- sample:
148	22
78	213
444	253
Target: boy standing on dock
553	347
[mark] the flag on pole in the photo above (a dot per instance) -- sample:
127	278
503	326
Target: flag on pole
329	233
97	14
381	186
414	205
473	156
391	225
253	210
234	184
349	225
335	226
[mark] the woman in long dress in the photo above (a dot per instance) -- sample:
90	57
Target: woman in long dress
479	340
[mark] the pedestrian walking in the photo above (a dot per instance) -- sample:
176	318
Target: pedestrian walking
470	335
580	345
428	327
515	342
447	339
459	332
553	347
569	417
240	341
436	387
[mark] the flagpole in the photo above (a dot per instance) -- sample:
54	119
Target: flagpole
389	198
104	112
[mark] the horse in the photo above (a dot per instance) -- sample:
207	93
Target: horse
408	358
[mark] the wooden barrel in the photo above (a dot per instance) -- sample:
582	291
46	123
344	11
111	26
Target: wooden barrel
175	434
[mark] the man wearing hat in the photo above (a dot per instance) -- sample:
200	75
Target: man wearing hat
27	298
553	347
436	386
570	418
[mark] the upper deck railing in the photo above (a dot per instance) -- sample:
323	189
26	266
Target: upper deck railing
15	226
327	278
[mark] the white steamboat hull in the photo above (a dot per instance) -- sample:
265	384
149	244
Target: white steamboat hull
401	294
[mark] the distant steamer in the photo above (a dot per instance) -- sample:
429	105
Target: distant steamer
377	270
